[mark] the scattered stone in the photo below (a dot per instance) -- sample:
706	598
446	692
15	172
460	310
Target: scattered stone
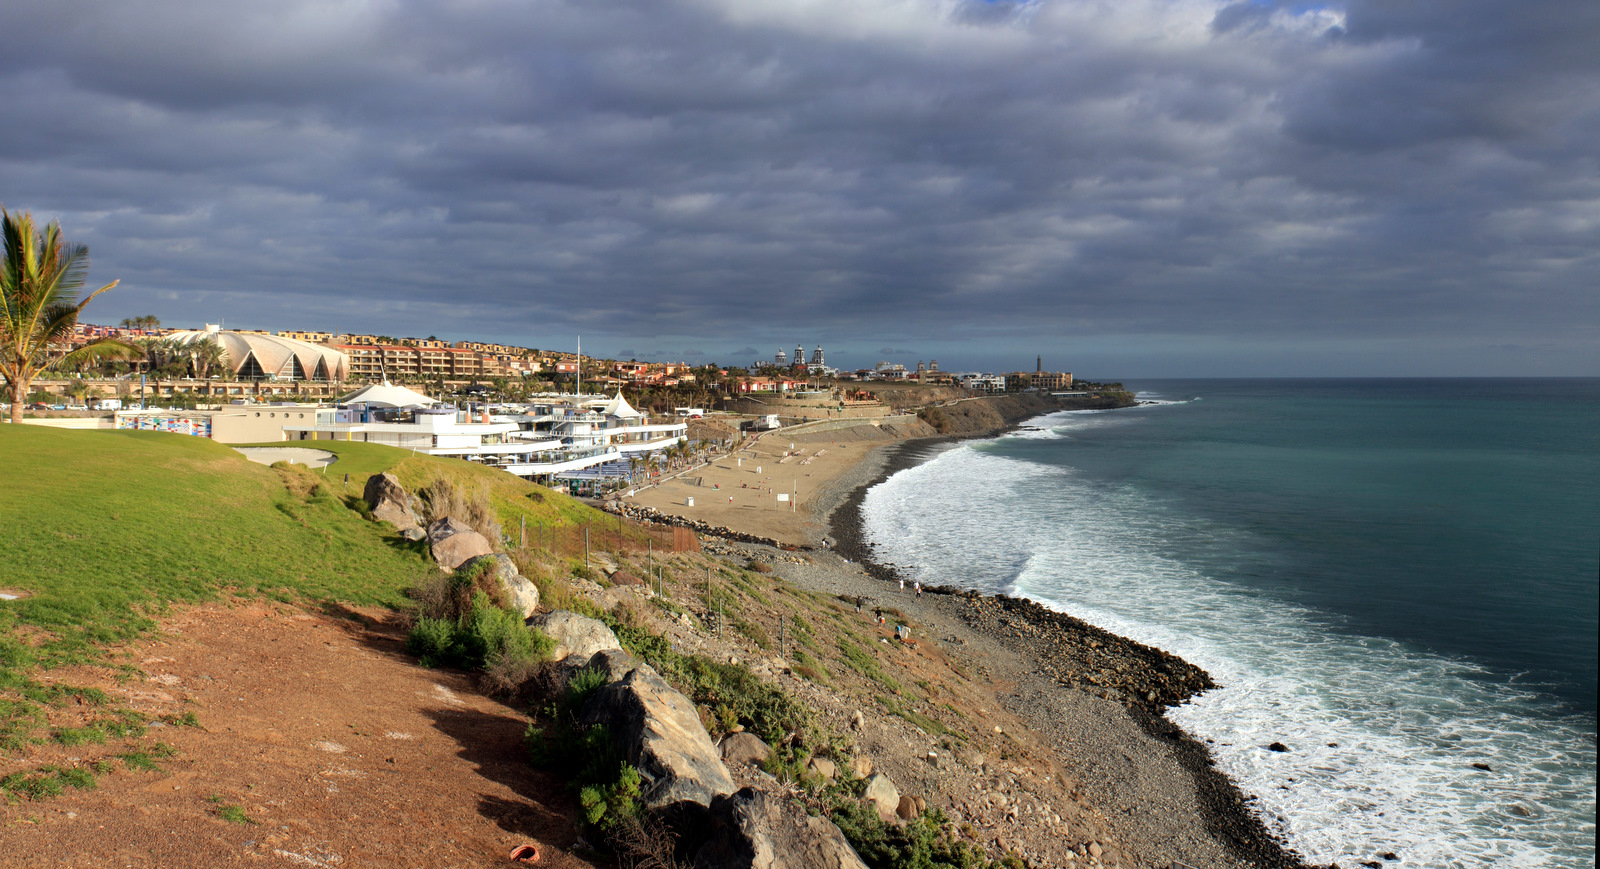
1520	811
1095	850
906	809
861	765
745	748
1389	855
881	792
823	767
857	720
1483	766
1278	746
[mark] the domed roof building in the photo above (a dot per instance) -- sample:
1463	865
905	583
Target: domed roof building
257	356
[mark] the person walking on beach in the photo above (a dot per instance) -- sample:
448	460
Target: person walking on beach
919	589
902	585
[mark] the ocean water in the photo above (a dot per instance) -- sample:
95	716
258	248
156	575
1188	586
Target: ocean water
1395	578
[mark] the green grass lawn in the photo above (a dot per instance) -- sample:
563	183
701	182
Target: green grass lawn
105	529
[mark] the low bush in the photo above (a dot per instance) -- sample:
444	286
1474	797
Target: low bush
926	842
483	637
464	622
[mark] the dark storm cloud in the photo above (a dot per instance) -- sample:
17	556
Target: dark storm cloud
975	176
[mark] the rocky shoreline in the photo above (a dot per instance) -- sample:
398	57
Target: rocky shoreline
1080	657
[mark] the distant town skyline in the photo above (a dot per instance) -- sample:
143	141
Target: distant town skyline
1135	189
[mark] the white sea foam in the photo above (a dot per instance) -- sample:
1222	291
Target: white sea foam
1408	725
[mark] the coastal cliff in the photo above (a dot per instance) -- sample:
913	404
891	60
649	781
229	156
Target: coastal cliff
989	415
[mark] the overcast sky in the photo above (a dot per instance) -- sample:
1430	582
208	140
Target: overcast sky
1131	188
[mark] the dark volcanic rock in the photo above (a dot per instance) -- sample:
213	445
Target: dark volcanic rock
1277	746
755	830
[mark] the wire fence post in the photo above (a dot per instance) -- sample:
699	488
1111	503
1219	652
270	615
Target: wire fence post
585	547
524	543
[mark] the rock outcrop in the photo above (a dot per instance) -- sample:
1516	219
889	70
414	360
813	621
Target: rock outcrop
454	544
755	830
577	637
390	502
657	730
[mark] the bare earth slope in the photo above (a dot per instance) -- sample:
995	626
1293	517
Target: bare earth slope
337	749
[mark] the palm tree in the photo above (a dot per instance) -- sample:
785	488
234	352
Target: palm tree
77	390
202	355
40	276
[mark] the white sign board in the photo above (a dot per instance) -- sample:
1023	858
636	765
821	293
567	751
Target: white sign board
783	496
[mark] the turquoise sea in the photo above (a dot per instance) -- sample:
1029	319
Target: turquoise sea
1396	578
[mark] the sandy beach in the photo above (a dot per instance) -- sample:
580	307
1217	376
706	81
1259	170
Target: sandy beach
817	470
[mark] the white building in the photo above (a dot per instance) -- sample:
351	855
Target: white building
544	443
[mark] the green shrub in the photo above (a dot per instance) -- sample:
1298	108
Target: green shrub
863	662
926	842
606	805
483	636
431	640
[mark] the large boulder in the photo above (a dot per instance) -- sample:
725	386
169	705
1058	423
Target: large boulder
577	637
882	793
520	590
754	830
454	544
389	501
656	729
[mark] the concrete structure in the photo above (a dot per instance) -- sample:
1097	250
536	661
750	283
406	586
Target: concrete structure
259	356
235	424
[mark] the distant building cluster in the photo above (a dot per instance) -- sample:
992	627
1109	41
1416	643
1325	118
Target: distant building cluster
331	357
817	366
993	384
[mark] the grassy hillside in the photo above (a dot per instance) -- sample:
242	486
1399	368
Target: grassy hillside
104	529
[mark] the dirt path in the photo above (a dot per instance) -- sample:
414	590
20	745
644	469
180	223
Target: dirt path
338	750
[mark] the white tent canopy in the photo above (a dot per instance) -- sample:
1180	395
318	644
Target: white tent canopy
387	394
620	408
